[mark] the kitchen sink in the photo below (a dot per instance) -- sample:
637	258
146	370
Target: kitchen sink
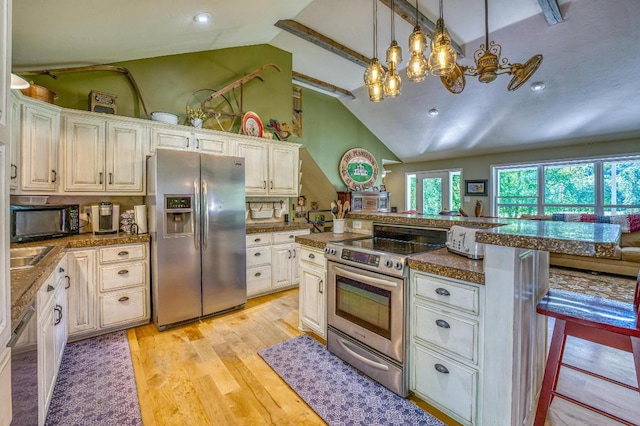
27	257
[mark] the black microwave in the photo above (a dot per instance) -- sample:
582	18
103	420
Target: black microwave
32	223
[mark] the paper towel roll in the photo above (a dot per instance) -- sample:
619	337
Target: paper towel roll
140	214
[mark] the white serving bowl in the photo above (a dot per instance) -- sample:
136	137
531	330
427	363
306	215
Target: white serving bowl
164	117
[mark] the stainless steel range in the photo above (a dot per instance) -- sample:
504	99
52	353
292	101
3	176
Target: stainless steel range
367	294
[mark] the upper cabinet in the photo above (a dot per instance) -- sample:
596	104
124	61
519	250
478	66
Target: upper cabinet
101	154
39	138
14	143
5	64
188	139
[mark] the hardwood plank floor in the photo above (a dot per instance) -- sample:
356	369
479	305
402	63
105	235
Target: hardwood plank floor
209	373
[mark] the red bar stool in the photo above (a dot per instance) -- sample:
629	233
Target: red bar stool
607	322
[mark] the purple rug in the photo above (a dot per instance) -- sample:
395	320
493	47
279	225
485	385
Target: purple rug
336	391
96	385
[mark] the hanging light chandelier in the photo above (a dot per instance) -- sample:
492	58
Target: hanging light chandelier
392	81
418	67
374	75
442	59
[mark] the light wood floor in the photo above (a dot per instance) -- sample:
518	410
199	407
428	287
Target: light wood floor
209	373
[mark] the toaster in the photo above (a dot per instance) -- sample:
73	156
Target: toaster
462	240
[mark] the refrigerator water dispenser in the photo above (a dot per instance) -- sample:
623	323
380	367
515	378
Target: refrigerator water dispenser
178	216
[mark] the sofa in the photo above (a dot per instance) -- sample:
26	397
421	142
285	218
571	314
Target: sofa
627	260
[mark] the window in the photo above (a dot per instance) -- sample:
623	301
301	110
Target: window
602	186
433	192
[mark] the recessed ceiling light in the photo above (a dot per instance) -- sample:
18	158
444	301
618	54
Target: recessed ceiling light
538	86
202	17
433	112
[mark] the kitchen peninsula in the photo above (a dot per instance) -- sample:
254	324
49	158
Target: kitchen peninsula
476	347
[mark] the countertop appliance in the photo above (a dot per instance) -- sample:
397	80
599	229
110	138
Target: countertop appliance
105	218
196	219
367	296
462	240
40	222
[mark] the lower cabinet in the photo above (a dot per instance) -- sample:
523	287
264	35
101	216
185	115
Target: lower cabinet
445	335
313	296
5	386
109	289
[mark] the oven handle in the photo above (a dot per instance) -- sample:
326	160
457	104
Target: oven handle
345	346
365	278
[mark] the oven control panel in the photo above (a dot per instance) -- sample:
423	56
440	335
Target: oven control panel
360	257
387	263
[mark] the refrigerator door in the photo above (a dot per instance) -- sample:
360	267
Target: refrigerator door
176	284
223	238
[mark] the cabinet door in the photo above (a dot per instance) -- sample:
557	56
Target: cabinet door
255	156
82	291
168	138
211	144
39	135
5	61
295	267
125	160
283	170
312	299
60	324
281	257
14	138
83	154
258	280
46	359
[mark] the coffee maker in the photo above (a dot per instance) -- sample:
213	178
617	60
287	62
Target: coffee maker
105	218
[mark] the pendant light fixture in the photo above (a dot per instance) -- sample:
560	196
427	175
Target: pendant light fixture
393	82
418	67
374	75
442	59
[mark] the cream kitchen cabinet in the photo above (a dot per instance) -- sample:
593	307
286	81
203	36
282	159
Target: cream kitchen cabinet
313	297
14	142
82	292
284	259
258	264
270	168
102	154
445	341
5	63
39	140
189	139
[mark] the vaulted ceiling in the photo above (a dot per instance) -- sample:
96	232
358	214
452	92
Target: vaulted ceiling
590	63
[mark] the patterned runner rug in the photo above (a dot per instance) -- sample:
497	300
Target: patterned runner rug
336	391
614	287
96	385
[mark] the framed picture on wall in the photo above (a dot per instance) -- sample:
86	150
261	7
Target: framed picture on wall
475	187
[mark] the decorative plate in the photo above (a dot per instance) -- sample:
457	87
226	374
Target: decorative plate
358	168
252	125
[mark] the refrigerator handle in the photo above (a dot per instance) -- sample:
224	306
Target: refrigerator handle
196	215
205	216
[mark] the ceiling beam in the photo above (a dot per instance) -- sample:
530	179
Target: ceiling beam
408	12
551	11
312	36
327	87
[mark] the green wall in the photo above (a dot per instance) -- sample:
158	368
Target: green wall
479	167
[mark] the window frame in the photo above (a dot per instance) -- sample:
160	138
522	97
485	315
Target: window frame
449	172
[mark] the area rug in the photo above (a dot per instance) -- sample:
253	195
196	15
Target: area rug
337	392
614	287
96	385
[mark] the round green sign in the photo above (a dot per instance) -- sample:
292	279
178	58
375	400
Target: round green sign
358	169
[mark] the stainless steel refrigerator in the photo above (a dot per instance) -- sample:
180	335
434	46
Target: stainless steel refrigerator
196	213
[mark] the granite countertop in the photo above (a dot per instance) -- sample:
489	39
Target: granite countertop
442	262
277	227
25	283
320	240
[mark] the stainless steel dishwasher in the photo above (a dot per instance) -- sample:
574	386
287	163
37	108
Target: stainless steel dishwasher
24	370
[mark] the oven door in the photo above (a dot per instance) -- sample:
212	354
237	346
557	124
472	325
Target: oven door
367	306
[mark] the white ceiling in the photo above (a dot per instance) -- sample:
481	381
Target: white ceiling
590	67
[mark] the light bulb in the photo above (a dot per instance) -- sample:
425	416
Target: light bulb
418	67
374	73
392	82
394	53
417	41
442	59
376	92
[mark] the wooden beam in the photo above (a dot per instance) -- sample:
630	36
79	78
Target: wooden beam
302	78
551	11
408	12
323	41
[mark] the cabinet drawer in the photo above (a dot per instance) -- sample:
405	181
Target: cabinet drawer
313	257
258	256
289	236
455	334
122	275
121	253
454	387
123	306
255	240
258	280
461	296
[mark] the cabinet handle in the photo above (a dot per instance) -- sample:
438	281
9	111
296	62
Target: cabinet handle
264	184
289	253
55	176
123	299
100	174
257	274
442	324
188	139
321	286
257	240
312	256
441	369
123	253
257	254
68	278
442	292
14	170
197	143
271	186
60	269
292	236
110	178
50	288
123	272
294	253
58	310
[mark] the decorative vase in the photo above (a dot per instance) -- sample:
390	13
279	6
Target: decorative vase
196	122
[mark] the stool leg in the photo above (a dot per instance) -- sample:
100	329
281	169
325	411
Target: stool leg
551	371
635	348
